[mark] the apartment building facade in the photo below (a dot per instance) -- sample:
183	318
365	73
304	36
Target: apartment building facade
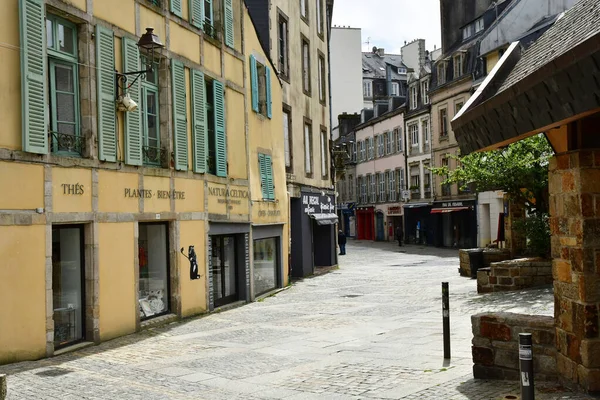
145	167
297	36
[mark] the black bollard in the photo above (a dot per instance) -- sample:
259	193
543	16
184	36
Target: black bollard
526	366
446	319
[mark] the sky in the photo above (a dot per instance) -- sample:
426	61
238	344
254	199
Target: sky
388	23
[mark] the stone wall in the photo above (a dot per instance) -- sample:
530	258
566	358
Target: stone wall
514	275
496	345
489	256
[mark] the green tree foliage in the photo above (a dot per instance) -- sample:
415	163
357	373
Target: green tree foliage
521	171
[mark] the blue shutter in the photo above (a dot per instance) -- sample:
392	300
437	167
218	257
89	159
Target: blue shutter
105	80
263	175
254	83
33	76
229	37
179	116
133	119
177	8
221	141
197	13
269	178
199	121
268	89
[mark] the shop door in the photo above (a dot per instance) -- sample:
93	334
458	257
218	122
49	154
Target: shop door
67	285
380	233
224	270
153	279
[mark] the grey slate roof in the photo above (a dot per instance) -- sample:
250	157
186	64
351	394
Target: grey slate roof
580	22
374	66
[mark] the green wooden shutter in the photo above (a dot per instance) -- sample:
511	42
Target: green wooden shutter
229	37
263	175
197	13
105	80
221	141
269	173
177	8
199	121
254	82
179	116
268	90
133	119
33	76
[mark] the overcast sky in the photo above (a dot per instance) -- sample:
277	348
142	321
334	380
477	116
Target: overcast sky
388	23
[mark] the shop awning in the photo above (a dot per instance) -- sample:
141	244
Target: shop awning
325	218
447	209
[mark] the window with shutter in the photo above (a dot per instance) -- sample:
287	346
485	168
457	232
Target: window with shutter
33	76
199	122
254	82
152	152
133	119
179	116
220	139
177	8
196	13
229	33
265	166
105	63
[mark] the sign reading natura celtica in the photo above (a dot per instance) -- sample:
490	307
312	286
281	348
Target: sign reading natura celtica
72	188
158	194
226	195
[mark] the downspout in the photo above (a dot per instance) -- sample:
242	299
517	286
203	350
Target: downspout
329	6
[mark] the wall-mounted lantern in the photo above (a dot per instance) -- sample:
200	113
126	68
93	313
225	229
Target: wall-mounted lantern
149	44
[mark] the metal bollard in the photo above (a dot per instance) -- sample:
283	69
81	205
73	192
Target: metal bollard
446	319
526	366
2	387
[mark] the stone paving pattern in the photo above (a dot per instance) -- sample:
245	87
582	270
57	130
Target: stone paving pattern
370	330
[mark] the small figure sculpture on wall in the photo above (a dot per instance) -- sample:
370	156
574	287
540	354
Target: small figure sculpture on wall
193	262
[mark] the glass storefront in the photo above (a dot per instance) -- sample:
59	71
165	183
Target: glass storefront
224	270
67	285
265	265
154	270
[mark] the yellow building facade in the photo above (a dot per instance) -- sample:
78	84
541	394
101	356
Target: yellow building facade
114	217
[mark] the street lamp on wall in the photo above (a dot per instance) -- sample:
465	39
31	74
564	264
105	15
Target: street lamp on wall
149	44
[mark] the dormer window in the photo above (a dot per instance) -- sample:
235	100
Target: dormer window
458	65
468	31
441	72
401	70
479	25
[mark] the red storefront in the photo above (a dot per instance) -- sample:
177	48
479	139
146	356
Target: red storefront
365	223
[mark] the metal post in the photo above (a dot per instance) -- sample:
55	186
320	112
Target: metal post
446	319
526	367
2	387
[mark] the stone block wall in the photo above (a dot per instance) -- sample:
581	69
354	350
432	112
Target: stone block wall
514	275
489	256
495	345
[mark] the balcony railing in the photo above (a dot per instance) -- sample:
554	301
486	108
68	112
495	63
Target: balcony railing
66	143
445	190
415	194
211	30
157	3
154	156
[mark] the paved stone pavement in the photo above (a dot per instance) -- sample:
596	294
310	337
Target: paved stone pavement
370	330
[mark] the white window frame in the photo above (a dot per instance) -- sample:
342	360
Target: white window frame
425	125
373	188
399	138
392	185
389	146
286	137
479	25
400	180
308	158
382	187
414	134
425	91
441	70
367	88
413	97
324	154
395	89
444	122
371	149
458	61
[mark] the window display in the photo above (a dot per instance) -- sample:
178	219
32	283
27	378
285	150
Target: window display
67	285
265	265
154	270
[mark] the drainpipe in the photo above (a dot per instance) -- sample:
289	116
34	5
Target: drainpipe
289	228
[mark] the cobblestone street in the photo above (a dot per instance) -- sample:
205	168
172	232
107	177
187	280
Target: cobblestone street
370	330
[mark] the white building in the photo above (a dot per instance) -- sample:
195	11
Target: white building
346	73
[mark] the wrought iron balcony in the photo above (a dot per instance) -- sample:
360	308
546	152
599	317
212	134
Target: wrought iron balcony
157	3
211	30
66	143
154	156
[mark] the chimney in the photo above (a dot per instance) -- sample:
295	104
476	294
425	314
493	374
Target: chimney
381	52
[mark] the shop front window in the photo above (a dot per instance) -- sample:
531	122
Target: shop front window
265	265
224	271
67	285
154	270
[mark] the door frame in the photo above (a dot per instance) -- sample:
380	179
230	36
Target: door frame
82	266
233	297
